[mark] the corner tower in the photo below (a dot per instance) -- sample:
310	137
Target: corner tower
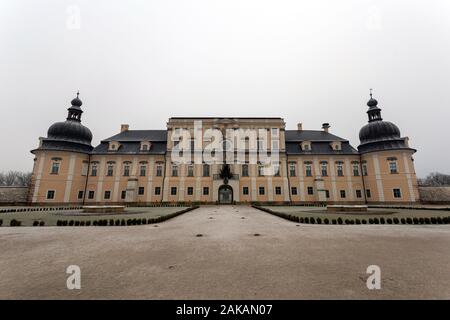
386	159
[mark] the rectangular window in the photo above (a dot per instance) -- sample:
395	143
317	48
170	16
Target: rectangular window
261	191
310	190
157	191
126	170
55	168
355	169
368	193
110	170
358	193
327	194
141	191
397	193
342	192
206	170
245	190
278	190
143	171
190	170
275	145
159	170
174	170
292	169
50	194
173	191
84	168
323	167
308	170
80	195
190	191
107	195
260	170
393	167
205	191
123	194
276	169
340	170
94	170
245	170
91	194
294	191
364	169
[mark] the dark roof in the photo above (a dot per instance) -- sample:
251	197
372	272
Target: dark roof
58	145
319	147
139	135
130	148
311	135
278	118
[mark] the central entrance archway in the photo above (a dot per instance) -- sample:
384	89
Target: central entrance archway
225	194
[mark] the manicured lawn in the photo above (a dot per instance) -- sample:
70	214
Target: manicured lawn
50	218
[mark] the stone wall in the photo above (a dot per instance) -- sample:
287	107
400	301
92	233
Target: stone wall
13	195
438	195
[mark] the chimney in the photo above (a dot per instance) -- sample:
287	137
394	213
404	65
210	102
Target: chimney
299	126
124	127
325	126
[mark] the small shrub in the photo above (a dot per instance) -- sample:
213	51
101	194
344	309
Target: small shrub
134	222
396	221
389	221
35	223
59	223
376	221
409	221
439	220
364	221
339	220
122	222
306	220
117	222
105	222
347	221
129	221
139	222
82	223
444	220
88	223
312	220
144	221
334	221
71	223
370	220
433	220
421	220
301	220
415	221
95	223
357	221
403	220
427	221
42	223
111	222
326	221
1	222
382	221
77	223
319	221
64	223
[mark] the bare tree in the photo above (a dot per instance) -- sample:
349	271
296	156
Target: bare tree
15	178
435	179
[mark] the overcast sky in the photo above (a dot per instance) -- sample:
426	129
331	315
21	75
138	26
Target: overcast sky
141	62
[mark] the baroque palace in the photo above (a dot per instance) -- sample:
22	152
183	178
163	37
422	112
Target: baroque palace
137	166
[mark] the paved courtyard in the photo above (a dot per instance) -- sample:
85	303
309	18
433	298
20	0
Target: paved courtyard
171	260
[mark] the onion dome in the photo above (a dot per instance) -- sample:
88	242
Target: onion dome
69	135
379	134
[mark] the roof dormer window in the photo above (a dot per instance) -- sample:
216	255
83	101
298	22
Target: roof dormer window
305	145
145	146
336	145
113	146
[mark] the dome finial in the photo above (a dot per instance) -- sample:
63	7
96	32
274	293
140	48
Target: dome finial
370	93
76	101
78	93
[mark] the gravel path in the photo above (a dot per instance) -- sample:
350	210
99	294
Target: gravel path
171	260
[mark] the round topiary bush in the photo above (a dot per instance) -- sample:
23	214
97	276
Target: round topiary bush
139	222
389	221
364	221
111	222
409	221
1	222
444	220
376	221
35	223
396	221
306	220
326	221
357	221
122	222
42	223
129	222
319	221
58	223
82	223
88	223
134	222
77	223
415	221
312	220
347	221
144	221
382	221
439	220
301	220
95	223
421	220
334	221
427	221
403	220
117	222
433	220
71	223
65	223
